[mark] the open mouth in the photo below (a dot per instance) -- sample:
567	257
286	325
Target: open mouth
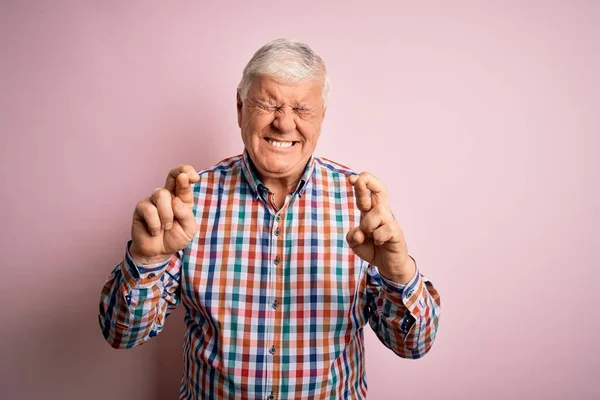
281	144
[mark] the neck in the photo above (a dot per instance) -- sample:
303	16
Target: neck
281	187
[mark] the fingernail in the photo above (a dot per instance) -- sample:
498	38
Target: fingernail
353	178
168	226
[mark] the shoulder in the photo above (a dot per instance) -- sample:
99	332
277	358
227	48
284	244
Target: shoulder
224	166
224	171
333	168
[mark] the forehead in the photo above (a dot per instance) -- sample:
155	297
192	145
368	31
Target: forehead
274	88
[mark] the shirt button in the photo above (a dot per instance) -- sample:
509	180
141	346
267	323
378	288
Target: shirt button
271	397
410	293
405	323
277	260
151	275
278	218
277	232
275	304
272	350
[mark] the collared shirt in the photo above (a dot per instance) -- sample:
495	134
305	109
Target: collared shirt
275	300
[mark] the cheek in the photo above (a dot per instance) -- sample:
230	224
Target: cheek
311	132
254	124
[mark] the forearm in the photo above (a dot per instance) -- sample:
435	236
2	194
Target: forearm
406	318
134	304
408	272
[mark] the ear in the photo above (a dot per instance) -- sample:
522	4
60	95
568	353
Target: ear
239	109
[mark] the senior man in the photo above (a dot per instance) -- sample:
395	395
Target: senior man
279	257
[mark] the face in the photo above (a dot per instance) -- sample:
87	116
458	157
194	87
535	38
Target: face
281	123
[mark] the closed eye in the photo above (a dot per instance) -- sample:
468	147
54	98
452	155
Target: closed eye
268	107
264	105
303	110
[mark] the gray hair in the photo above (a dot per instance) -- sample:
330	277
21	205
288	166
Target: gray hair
287	60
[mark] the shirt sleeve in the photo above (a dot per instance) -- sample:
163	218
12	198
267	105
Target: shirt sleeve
404	317
136	300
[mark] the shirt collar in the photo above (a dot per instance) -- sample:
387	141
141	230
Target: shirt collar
258	188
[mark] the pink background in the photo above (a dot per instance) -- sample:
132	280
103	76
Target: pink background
483	118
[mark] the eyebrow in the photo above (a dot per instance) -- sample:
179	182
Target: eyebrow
270	101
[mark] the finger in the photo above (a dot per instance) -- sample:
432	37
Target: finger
146	212
384	234
373	184
162	200
171	182
374	187
361	193
185	217
375	218
355	237
183	189
360	244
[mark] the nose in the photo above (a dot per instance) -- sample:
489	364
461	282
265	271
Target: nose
284	121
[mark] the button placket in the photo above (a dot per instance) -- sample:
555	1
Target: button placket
276	234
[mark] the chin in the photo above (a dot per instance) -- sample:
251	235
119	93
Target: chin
277	168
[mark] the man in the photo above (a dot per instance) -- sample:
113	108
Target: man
279	257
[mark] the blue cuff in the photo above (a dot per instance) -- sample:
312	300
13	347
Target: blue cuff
406	290
144	272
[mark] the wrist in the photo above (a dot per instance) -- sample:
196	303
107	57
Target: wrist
407	272
139	259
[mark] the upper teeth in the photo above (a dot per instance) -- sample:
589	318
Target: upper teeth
280	144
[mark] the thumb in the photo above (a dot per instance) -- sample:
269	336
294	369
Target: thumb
183	189
361	193
360	244
185	217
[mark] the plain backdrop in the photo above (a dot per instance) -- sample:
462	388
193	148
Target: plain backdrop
482	117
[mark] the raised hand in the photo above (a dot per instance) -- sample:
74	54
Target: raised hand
164	223
378	239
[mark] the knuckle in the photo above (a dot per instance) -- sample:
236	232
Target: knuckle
156	193
165	214
143	206
366	225
140	205
381	209
150	213
175	171
153	226
162	195
182	177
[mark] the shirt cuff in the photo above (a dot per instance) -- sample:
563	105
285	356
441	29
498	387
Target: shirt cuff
400	288
142	275
407	295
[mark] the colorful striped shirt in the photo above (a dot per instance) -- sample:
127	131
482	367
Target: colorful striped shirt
275	300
